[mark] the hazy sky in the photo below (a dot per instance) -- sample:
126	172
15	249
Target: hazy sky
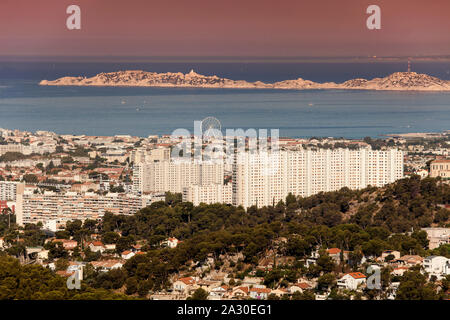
225	28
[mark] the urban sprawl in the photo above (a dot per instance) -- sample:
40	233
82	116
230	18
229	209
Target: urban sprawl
112	208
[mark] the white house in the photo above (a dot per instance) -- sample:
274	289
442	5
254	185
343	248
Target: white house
259	293
172	242
351	280
240	292
97	246
300	286
184	284
111	246
128	254
437	266
106	265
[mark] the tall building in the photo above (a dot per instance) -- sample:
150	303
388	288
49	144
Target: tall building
264	179
9	189
174	176
211	193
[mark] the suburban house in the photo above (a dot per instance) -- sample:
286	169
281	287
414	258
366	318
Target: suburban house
171	242
240	292
300	286
335	254
107	265
437	266
351	280
280	292
399	271
410	260
390	253
219	291
110	246
96	246
259	293
127	254
67	244
184	284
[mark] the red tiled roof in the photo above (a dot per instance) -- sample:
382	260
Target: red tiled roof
334	251
357	275
187	280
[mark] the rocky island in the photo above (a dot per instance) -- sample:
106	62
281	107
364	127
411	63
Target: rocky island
400	81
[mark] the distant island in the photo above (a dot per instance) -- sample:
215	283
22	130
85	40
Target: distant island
399	81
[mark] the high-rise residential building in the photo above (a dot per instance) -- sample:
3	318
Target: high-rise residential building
174	176
264	179
9	189
210	193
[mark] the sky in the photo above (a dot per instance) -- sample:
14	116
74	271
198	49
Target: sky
262	28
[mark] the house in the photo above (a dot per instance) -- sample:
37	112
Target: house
410	260
184	284
259	293
335	254
97	246
399	271
300	286
171	242
240	292
351	280
312	259
390	254
280	292
127	254
252	281
111	246
107	265
219	291
67	244
437	266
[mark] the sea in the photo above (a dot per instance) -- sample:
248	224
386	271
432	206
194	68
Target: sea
102	111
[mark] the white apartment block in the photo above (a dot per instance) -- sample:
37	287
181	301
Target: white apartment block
174	176
211	193
9	189
4	148
63	207
264	179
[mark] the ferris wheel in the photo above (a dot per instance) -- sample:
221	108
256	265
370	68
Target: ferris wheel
211	127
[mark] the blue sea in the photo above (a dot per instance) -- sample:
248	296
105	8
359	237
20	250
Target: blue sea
25	105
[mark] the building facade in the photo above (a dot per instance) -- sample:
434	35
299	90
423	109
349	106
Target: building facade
60	207
440	168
